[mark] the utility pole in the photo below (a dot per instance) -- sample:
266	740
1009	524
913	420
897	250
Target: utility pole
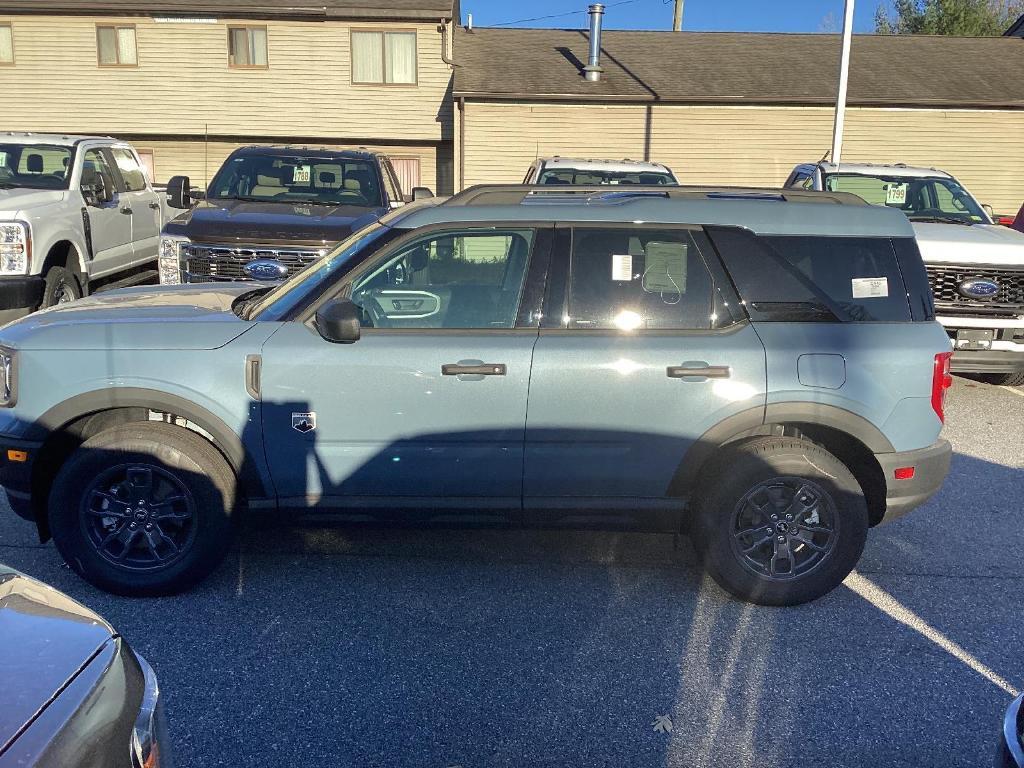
844	76
677	18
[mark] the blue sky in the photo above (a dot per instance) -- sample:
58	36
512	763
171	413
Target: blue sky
701	15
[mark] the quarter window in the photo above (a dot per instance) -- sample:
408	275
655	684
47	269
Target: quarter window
384	58
133	175
247	47
449	280
116	46
6	44
635	279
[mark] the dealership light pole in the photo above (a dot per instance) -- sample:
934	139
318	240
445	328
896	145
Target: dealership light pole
677	17
844	75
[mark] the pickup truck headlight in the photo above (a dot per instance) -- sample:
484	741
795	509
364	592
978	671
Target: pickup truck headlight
15	248
8	378
170	259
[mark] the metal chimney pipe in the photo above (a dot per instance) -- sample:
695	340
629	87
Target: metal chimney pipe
593	69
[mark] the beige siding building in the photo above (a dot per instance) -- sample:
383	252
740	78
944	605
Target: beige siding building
188	82
730	108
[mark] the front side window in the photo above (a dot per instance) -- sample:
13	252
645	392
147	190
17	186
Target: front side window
96	173
6	44
131	172
302	179
920	198
591	177
34	166
116	46
451	280
636	279
384	58
247	47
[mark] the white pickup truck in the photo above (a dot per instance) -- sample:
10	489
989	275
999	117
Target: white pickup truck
76	212
975	267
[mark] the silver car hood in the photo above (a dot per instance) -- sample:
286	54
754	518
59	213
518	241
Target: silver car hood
974	244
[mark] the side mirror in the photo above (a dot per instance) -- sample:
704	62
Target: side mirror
421	193
989	210
179	192
338	321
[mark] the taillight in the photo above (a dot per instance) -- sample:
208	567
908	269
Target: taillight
941	381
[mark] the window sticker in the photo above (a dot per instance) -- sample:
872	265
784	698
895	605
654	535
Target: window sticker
870	287
301	175
896	194
622	267
665	269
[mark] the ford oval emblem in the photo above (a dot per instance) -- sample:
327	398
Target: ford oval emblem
265	269
978	288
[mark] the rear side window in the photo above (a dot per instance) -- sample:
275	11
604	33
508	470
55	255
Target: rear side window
811	278
635	279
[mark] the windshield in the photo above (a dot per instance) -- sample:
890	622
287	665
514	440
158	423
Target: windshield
591	176
35	166
291	178
921	198
305	286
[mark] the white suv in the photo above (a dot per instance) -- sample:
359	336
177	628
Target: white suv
976	267
568	170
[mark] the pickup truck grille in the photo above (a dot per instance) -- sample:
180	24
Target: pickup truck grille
1008	302
205	263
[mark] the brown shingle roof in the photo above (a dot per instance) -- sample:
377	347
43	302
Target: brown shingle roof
383	9
738	67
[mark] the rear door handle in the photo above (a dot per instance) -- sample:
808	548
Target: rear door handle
483	369
697	370
155	206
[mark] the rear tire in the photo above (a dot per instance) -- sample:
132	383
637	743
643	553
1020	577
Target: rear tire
143	509
1006	379
60	286
747	543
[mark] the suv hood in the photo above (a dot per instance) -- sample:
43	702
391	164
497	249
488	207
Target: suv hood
193	316
46	638
18	199
974	244
248	223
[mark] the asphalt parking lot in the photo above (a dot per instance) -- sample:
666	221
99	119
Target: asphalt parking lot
330	646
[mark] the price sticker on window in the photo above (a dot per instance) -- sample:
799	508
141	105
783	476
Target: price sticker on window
896	194
301	175
870	287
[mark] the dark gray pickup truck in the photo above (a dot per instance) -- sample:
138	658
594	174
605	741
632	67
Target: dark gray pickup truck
270	211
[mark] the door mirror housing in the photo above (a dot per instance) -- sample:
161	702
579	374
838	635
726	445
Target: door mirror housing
421	193
989	210
338	321
179	193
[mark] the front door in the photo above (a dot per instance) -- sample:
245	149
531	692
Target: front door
647	357
428	408
110	219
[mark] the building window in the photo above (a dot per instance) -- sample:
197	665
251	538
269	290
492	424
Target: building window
247	47
148	163
6	44
408	171
115	46
384	58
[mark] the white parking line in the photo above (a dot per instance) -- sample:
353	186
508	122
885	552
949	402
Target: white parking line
1015	391
889	605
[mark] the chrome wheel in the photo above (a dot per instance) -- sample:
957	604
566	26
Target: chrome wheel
139	517
784	528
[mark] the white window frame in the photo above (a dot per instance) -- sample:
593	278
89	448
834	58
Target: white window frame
384	57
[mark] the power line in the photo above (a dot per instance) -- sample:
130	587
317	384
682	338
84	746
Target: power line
556	15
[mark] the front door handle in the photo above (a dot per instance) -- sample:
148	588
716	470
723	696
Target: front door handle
481	369
126	211
698	370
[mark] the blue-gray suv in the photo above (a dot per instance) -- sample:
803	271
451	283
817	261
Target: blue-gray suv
760	369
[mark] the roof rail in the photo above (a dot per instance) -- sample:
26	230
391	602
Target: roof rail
519	194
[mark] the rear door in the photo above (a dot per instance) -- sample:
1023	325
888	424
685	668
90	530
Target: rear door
143	202
638	357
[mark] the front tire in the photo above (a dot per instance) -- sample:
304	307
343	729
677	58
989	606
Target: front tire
143	509
779	521
60	286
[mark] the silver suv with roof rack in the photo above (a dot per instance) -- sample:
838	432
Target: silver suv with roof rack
976	267
761	369
575	171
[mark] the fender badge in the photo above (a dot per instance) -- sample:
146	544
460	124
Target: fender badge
303	422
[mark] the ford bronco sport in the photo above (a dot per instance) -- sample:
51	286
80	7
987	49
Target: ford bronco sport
763	369
975	266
